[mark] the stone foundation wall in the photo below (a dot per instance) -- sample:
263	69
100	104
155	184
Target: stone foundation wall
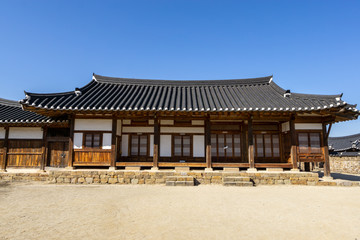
159	177
345	164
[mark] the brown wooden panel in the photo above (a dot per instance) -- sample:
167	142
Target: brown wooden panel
311	158
273	165
58	154
1	145
92	157
244	165
138	164
24	153
177	164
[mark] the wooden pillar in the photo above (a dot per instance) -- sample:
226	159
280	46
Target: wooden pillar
113	144
251	152
5	150
44	150
293	151
156	144
71	143
208	144
325	150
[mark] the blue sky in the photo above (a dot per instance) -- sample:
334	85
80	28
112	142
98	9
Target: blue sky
309	46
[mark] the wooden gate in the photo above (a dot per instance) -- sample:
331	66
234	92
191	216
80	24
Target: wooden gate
58	154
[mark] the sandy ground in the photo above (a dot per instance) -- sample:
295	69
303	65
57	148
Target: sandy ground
43	211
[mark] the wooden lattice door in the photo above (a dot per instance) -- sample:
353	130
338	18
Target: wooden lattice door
58	154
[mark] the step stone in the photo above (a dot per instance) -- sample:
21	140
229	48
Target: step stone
238	184
236	179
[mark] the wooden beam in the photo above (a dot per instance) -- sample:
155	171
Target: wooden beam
293	150
71	143
251	153
156	143
43	150
326	152
208	143
113	143
5	150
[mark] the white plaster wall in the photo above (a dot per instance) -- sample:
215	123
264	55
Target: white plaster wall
118	129
78	139
308	126
166	122
124	145
285	127
126	122
106	141
197	122
25	133
199	146
182	130
93	124
165	145
151	122
151	145
138	129
2	133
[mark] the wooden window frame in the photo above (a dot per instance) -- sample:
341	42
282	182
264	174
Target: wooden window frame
233	144
92	140
271	133
182	144
308	132
131	135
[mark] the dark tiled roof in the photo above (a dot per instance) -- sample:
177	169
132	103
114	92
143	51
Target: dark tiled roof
125	94
344	143
345	154
11	112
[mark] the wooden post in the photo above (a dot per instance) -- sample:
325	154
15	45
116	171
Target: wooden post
244	144
326	152
44	151
208	145
113	145
293	152
156	144
251	153
5	150
71	144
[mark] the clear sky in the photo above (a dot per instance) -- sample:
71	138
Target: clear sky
309	46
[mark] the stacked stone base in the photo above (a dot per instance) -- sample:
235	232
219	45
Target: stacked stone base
160	177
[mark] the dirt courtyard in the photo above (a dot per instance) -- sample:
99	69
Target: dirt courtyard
44	211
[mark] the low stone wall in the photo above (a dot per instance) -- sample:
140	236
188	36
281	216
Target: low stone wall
345	164
159	177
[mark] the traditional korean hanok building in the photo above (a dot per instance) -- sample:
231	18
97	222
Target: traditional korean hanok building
214	124
25	136
345	146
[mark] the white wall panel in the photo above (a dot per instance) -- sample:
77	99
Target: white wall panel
25	133
166	122
106	142
93	125
199	146
308	126
285	127
78	139
151	145
138	129
2	133
165	145
197	122
124	145
118	129
182	130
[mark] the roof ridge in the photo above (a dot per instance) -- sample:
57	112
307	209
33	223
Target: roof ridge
134	81
8	102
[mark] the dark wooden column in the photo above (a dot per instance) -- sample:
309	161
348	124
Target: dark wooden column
5	149
156	144
113	144
44	150
251	153
293	150
71	143
325	149
208	144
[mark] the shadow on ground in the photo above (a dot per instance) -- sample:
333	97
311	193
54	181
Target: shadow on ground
342	176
